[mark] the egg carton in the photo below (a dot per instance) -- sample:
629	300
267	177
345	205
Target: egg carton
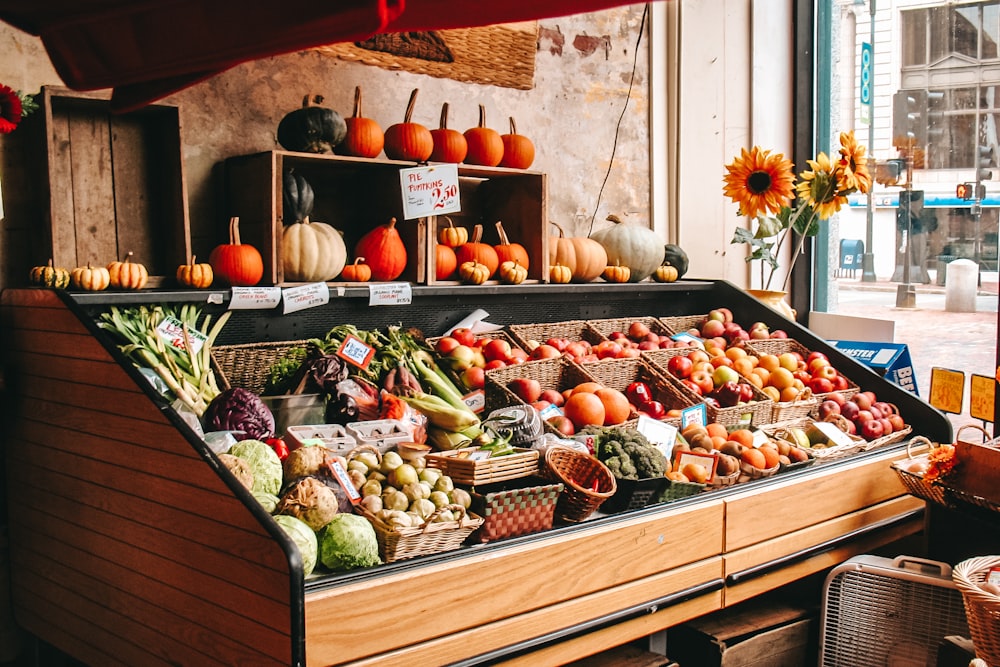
381	433
332	436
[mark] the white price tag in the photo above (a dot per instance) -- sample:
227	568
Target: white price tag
475	400
430	190
389	294
661	434
301	297
171	330
250	298
696	414
356	351
345	482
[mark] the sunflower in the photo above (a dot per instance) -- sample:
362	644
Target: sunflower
10	110
759	182
852	167
820	188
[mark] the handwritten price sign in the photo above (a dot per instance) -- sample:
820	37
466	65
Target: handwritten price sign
947	390
982	394
430	190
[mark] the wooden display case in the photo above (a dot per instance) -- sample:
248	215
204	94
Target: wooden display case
130	544
354	195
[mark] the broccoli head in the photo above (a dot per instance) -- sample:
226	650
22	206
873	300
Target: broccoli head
627	453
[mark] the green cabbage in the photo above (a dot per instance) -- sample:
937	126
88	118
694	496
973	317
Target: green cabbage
264	463
348	542
268	501
304	538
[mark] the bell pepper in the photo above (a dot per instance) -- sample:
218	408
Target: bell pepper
279	446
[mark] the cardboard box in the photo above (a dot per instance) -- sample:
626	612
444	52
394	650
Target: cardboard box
754	634
890	360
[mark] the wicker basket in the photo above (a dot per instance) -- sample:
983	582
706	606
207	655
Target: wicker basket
432	537
681	323
472	472
608	326
620	373
673	490
914	481
785	411
559	374
780	430
524	334
515	511
718	481
587	482
777	346
757	473
634	493
248	365
982	608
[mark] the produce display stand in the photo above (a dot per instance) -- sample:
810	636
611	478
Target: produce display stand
128	545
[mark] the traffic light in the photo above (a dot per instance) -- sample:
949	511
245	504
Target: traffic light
984	160
889	172
964	190
935	120
909	122
981	191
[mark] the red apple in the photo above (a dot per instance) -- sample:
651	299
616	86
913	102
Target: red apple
849	409
557	342
837	397
887	427
544	351
692	386
552	396
638	330
826	372
840	383
446	344
897	422
863	416
827	408
872	429
473	377
712	329
629	353
704	381
562	424
779	333
820	385
494	364
540	405
464	336
497	348
577	348
760	333
648	345
680	366
517	356
608	349
528	390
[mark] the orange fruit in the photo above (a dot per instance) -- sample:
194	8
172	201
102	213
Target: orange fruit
768	362
718	441
754	457
584	409
743	366
744	436
781	379
790	393
789	361
770	456
755	380
715	428
587	387
617	409
772	393
735	353
763	374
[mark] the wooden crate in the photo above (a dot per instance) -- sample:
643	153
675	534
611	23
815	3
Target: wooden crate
108	183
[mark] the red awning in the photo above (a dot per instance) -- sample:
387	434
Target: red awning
146	49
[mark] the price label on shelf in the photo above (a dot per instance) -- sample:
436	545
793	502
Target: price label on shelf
301	297
254	298
430	190
389	294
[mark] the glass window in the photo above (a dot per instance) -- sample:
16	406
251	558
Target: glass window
991	31
965	31
915	37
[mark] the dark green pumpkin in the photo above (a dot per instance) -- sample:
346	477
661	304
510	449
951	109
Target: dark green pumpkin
312	129
50	276
675	256
297	198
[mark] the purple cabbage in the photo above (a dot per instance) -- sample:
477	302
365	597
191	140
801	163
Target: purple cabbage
239	409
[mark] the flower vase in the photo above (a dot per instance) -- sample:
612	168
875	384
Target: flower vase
774	299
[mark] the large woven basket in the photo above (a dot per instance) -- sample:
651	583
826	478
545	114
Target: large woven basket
610	325
914	482
982	608
778	346
473	472
248	365
620	373
431	538
587	482
681	323
526	334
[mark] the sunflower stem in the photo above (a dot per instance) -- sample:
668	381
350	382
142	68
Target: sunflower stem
798	251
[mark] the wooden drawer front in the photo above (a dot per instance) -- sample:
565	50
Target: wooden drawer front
742	584
526	578
761	514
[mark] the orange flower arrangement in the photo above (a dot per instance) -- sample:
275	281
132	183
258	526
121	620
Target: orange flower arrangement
762	183
940	462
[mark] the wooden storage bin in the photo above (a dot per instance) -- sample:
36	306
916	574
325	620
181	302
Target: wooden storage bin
105	184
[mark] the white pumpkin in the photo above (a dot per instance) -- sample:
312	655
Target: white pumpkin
312	252
637	247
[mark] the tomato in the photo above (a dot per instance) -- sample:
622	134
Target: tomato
279	447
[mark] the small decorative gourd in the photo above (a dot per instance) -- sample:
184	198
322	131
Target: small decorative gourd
510	251
194	275
385	251
445	263
635	246
477	251
311	129
127	274
560	274
616	273
451	235
358	272
512	273
449	145
585	257
665	273
90	278
49	276
236	264
473	273
408	140
485	144
364	136
518	151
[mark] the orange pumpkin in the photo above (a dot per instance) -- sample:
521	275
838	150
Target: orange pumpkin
408	140
616	273
473	272
485	144
127	274
194	275
451	235
560	274
512	273
585	257
364	135
445	262
518	151
449	145
507	251
358	272
477	251
385	251
234	263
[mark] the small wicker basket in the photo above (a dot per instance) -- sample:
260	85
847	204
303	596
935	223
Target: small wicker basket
514	511
914	482
982	608
247	365
587	482
430	538
673	490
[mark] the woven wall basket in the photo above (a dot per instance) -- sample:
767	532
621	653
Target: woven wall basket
500	55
